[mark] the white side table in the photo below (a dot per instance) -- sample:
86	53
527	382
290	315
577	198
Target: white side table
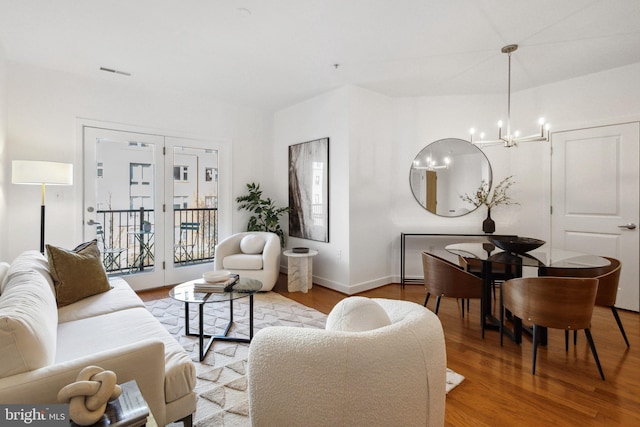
300	270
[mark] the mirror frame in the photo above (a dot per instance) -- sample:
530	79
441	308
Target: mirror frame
440	146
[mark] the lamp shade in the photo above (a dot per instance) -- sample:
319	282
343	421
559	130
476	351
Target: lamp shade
41	173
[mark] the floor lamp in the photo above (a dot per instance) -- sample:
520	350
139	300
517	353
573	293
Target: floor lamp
32	172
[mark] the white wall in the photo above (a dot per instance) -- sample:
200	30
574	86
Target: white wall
390	132
603	98
369	206
323	116
43	111
5	174
370	189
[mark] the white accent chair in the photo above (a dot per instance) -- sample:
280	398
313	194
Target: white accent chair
254	254
385	376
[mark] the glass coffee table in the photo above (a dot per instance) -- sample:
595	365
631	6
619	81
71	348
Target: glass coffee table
185	292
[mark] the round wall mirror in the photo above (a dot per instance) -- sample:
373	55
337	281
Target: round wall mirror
444	171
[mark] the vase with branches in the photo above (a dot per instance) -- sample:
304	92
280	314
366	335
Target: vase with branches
266	215
483	196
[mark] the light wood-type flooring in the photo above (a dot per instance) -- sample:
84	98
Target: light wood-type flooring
499	389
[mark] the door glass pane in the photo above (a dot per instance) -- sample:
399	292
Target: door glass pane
195	205
125	203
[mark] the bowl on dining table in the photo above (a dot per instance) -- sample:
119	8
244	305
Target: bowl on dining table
517	245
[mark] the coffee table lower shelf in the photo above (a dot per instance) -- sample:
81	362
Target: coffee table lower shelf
205	346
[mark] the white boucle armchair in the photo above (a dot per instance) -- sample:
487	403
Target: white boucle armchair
254	254
388	376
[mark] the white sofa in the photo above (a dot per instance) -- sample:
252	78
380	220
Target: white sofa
254	254
42	348
357	372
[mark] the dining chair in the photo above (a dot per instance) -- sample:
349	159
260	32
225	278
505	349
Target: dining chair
552	302
446	279
608	279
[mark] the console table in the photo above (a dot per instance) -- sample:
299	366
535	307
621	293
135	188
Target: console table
403	240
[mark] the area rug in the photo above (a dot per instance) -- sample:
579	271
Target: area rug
221	383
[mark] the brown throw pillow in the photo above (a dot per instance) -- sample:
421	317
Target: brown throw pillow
77	274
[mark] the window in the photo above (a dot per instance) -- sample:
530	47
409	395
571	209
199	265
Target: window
210	201
181	173
211	174
138	144
137	202
140	174
180	202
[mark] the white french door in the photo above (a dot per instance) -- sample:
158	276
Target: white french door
192	197
152	203
595	191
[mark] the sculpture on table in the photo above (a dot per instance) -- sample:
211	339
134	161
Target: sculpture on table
89	395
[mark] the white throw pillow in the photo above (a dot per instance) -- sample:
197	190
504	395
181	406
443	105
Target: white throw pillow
252	244
357	314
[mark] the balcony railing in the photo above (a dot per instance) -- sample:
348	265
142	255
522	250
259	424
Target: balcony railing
127	237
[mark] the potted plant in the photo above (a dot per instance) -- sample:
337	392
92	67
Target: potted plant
266	214
484	197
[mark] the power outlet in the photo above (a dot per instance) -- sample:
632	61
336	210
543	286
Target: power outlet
339	253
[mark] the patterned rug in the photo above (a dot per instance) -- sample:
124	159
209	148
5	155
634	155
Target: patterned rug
221	383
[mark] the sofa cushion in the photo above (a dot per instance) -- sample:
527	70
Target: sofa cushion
252	244
4	267
242	262
30	261
357	314
78	273
101	333
120	297
28	317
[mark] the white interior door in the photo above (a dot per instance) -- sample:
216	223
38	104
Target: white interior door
594	194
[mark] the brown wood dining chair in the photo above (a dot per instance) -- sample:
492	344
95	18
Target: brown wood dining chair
608	279
552	302
443	278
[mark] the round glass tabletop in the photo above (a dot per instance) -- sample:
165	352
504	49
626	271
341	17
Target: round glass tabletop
544	256
186	292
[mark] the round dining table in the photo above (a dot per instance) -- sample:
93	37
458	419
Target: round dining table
511	264
544	256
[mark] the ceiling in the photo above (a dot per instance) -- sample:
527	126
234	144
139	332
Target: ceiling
270	54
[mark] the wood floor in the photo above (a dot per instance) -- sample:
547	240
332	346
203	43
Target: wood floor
499	389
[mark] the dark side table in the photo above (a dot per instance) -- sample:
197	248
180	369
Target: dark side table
128	410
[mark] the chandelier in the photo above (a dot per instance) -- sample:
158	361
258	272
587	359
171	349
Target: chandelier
510	139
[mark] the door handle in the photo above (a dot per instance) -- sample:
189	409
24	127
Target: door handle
92	222
630	226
